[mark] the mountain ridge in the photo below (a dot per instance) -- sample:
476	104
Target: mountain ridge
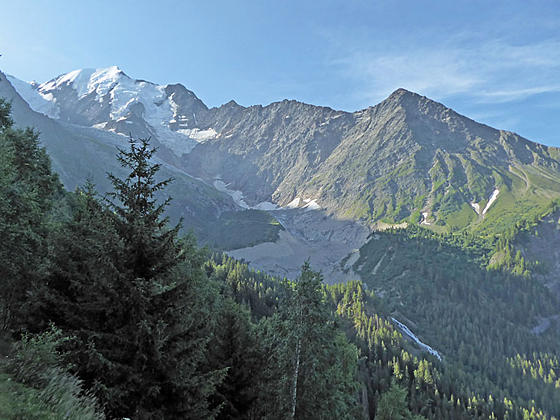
81	153
408	159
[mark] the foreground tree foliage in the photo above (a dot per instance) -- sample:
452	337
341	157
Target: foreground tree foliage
35	384
131	295
27	188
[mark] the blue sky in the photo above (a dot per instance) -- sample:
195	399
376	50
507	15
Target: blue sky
497	62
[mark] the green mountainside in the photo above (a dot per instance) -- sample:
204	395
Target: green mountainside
389	163
479	319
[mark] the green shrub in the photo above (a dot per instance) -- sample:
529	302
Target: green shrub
35	385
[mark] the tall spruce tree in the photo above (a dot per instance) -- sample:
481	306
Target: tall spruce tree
234	347
134	297
170	307
392	405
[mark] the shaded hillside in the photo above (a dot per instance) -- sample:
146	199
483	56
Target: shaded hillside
79	153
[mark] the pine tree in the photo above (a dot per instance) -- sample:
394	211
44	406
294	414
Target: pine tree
392	405
151	247
5	111
234	347
133	296
83	295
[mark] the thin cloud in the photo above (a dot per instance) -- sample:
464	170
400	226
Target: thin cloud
494	71
500	96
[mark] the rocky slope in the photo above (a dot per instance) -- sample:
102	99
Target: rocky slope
79	152
407	159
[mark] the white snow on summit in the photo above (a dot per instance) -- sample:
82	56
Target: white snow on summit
86	81
77	78
124	95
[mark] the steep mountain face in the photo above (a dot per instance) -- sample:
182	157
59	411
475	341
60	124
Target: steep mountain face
408	160
268	152
108	99
80	152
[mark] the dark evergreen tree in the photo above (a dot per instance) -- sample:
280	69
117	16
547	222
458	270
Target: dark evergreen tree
27	188
311	369
392	405
5	118
135	299
234	347
170	306
83	295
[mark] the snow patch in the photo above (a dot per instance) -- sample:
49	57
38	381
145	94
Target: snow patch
476	207
43	103
307	203
199	135
493	198
235	194
311	205
409	333
294	203
239	198
374	271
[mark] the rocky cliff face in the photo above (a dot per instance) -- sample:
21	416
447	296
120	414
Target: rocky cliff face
267	151
407	159
80	152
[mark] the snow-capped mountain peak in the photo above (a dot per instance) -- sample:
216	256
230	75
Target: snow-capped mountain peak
110	100
86	81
